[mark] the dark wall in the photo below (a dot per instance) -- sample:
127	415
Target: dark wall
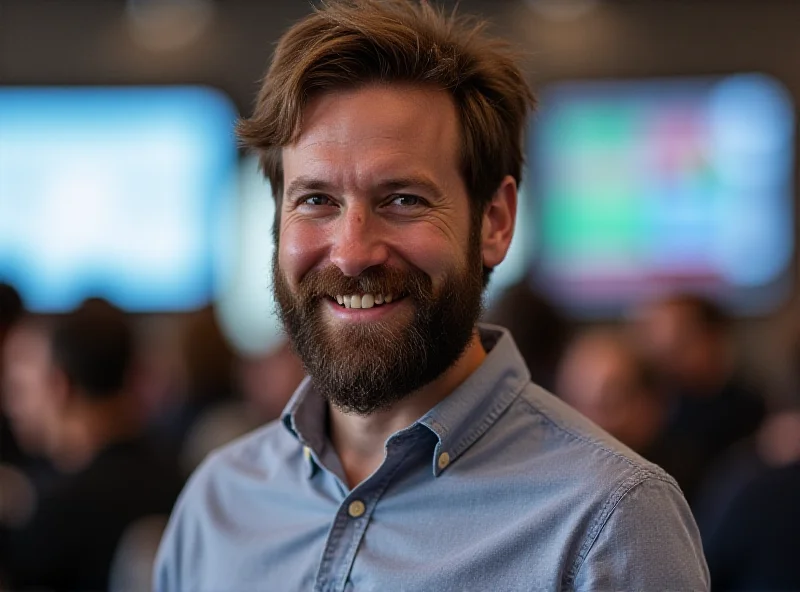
89	42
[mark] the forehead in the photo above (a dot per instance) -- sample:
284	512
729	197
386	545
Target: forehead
365	130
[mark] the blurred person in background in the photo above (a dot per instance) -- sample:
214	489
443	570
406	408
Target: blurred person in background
211	412
688	340
11	310
265	384
199	381
602	377
727	493
160	379
32	404
539	328
210	361
756	545
33	400
32	397
268	380
775	445
113	477
210	364
24	414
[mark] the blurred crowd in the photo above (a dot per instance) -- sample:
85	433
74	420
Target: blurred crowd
105	415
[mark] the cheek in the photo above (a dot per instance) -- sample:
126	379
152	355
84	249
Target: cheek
304	246
434	255
301	247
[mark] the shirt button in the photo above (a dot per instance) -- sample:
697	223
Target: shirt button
444	460
307	452
356	509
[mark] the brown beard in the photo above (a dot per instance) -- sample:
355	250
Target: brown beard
366	367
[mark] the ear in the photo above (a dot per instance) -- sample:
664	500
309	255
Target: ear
498	223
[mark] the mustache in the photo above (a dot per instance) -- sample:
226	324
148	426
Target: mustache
330	281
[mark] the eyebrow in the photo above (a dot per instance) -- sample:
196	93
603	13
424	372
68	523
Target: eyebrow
303	184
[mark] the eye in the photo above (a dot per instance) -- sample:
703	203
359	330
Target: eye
316	200
406	200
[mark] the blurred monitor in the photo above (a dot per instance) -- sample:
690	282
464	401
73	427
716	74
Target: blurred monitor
245	303
115	192
652	186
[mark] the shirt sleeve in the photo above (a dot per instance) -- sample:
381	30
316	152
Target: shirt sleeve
167	569
180	551
649	541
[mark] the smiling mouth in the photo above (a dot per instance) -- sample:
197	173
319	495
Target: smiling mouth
364	300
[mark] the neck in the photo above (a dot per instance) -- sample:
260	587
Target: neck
359	440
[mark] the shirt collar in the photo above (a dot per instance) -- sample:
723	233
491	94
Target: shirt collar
457	421
470	410
306	416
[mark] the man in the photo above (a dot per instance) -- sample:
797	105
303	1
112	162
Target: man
30	396
540	330
112	476
688	339
603	378
417	455
756	545
29	408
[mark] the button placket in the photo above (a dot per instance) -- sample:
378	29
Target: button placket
353	520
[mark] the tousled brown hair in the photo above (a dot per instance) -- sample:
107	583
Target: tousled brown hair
348	43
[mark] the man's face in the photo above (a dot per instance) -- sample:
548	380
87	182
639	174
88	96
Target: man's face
676	343
378	271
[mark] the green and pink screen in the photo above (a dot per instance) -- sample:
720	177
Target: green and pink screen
644	187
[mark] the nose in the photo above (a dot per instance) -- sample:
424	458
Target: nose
358	242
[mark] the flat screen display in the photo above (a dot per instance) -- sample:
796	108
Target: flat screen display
115	192
666	185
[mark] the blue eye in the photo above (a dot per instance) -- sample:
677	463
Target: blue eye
316	200
407	200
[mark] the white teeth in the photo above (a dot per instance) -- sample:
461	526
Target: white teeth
363	300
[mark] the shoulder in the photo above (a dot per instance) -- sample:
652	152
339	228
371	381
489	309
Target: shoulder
622	507
226	491
255	460
645	540
259	455
557	431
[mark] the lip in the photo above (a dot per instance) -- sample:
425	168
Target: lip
363	314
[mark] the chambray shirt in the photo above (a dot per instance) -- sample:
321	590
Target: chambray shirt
499	487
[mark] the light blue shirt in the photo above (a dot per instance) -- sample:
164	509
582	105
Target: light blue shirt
499	487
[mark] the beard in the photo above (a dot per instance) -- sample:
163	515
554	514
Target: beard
364	367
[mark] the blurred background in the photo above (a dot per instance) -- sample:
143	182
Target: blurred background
652	282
